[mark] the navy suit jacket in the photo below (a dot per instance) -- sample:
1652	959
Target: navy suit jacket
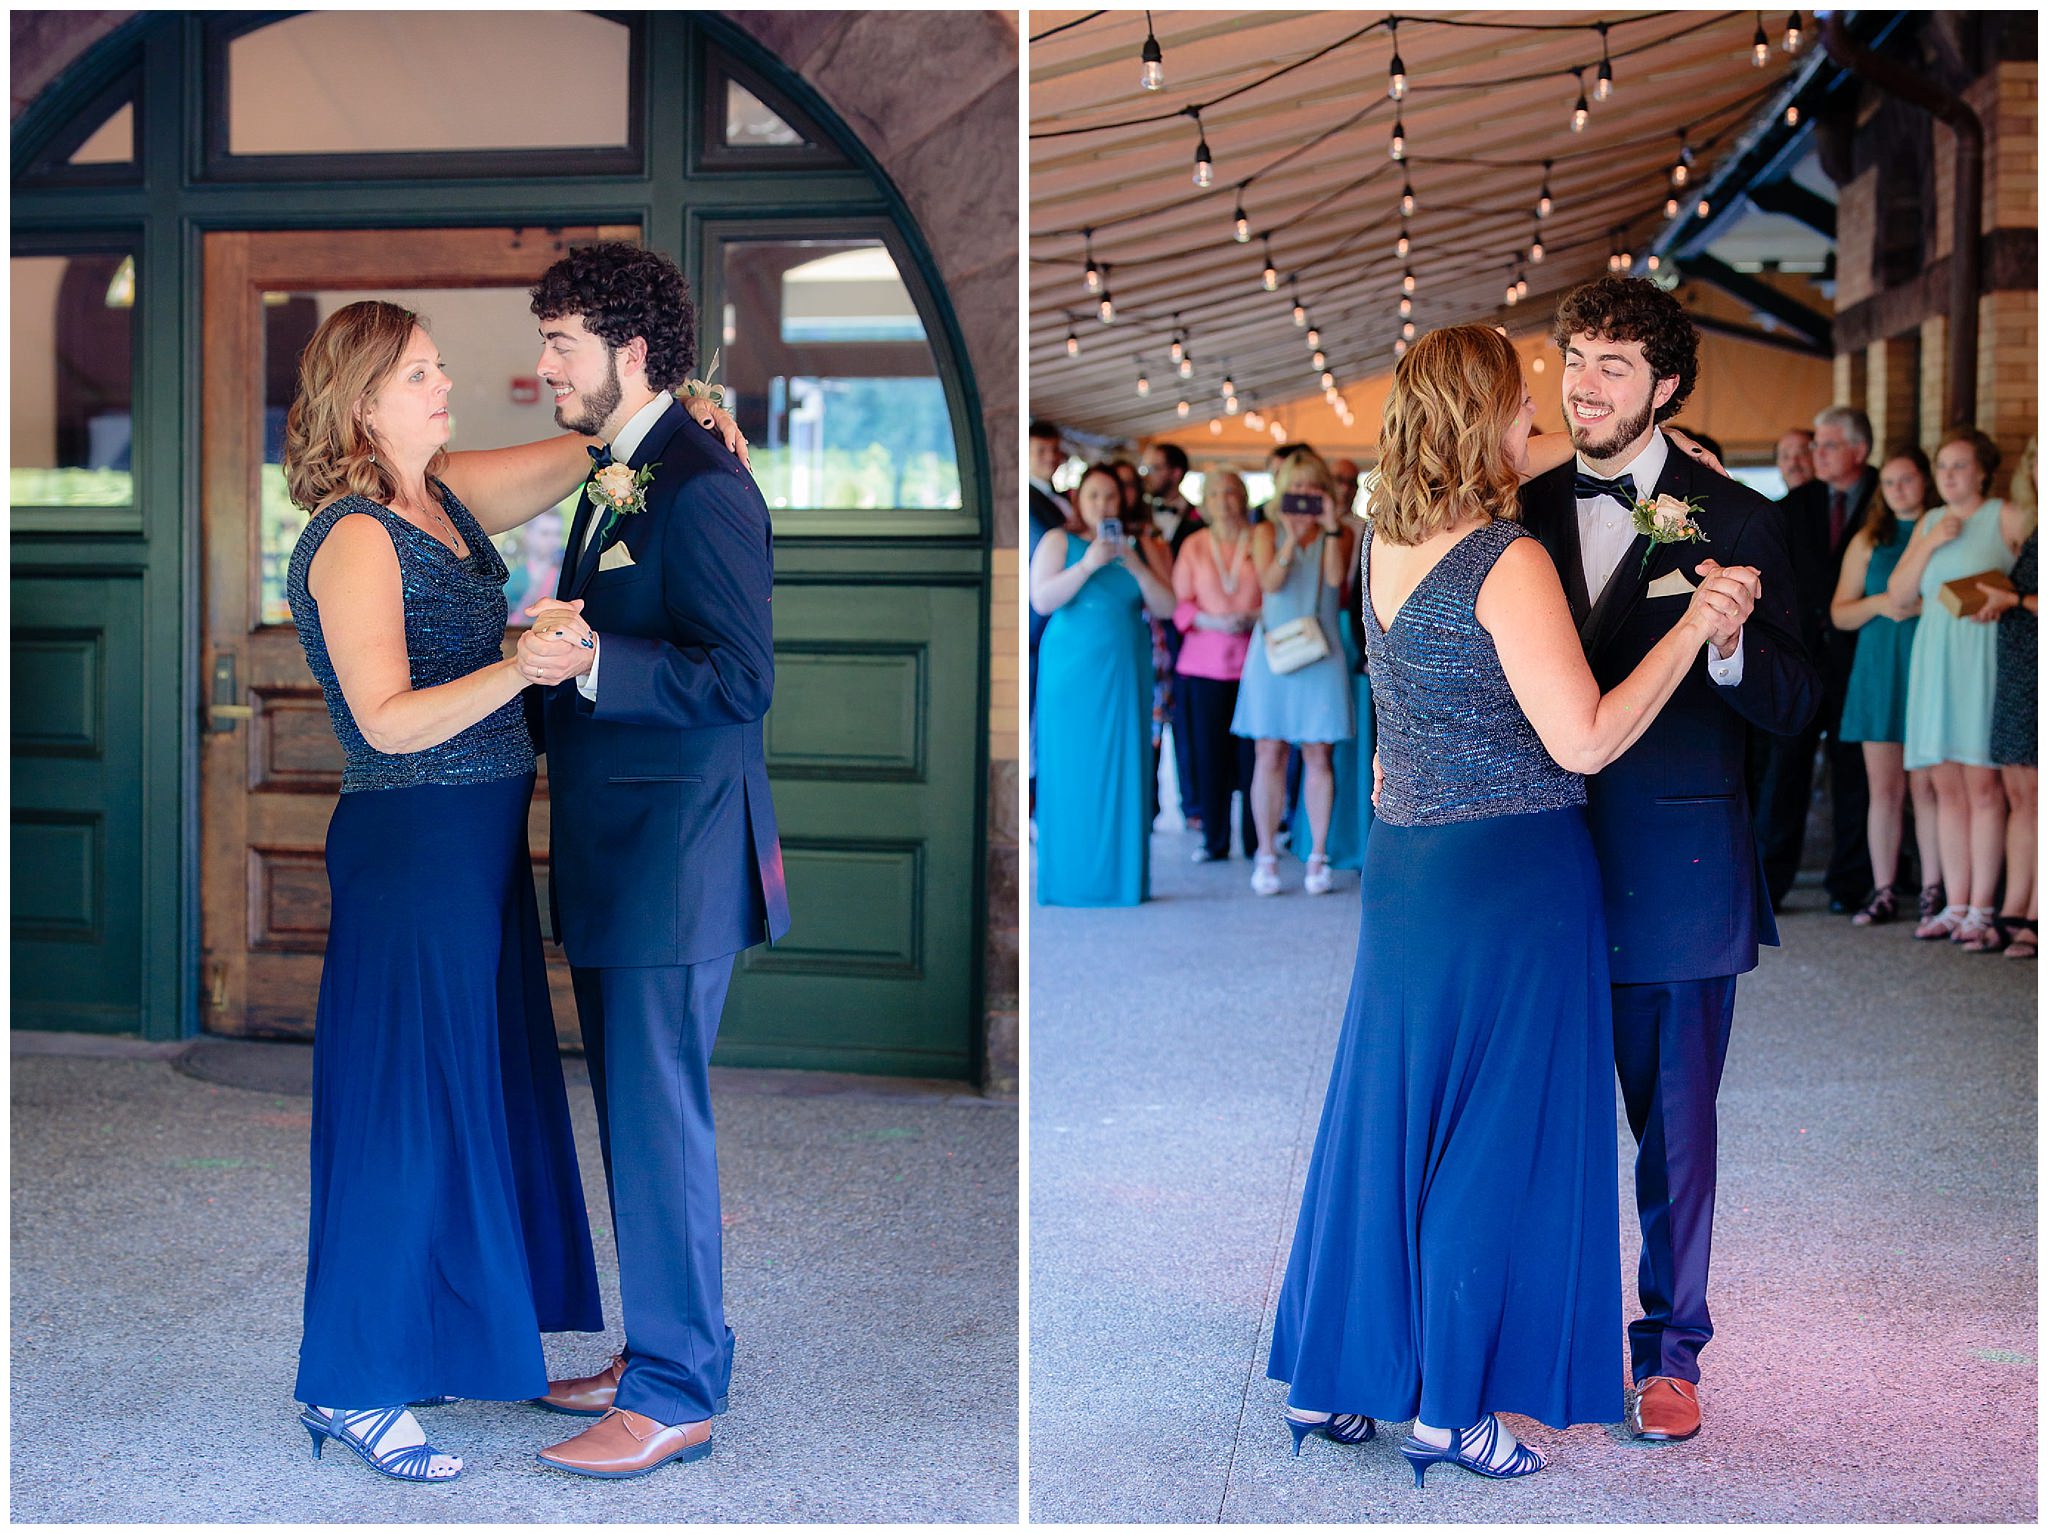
1670	818
663	847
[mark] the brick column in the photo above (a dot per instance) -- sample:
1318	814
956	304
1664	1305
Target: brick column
1892	369
1851	380
1933	380
2009	329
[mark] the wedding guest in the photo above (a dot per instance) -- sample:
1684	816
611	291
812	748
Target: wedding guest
1217	595
1795	457
1874	707
1049	509
2013	709
1094	824
1163	467
1302	554
1138	529
1952	677
1820	517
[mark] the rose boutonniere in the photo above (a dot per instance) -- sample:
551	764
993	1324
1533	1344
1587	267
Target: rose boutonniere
1667	519
621	491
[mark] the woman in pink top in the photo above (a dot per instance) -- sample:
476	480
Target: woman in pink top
1217	593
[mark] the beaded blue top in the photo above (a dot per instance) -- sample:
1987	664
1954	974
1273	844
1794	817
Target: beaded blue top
1454	744
454	624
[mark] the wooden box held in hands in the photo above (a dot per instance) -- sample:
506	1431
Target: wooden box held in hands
1966	593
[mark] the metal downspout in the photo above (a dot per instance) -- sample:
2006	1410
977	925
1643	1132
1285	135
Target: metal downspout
1965	260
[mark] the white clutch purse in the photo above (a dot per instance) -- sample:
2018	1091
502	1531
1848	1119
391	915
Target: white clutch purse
1297	643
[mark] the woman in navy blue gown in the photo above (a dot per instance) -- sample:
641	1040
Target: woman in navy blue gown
1457	1254
447	1224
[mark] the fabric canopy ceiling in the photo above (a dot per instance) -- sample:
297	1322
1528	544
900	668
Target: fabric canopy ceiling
1296	114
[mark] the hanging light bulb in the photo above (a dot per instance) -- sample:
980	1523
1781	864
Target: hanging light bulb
1704	208
1543	200
1681	169
1151	63
1241	228
1794	37
1760	45
1205	167
1671	207
1187	366
1614	260
1300	315
1254	421
1181	408
1144	384
1270	277
1655	263
1522	286
1603	83
1401	245
1792	116
1397	145
1179	348
1092	278
1329	380
1400	346
1106	310
1407	306
1407	281
1514	292
1536	248
1230	405
1408	329
1073	341
1229	388
1397	72
1314	338
1627	260
1319	361
1407	197
1579	109
1215	426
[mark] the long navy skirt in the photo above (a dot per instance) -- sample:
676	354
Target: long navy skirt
1457	1251
448	1229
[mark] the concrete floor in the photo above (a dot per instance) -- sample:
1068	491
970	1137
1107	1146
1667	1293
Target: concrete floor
1875	1280
159	1258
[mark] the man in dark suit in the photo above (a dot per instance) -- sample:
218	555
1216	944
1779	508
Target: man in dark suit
1820	517
664	857
1685	902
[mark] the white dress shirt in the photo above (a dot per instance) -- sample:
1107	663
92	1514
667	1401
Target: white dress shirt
1607	528
631	435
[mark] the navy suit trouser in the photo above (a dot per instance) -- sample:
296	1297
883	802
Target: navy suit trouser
647	1033
1670	1042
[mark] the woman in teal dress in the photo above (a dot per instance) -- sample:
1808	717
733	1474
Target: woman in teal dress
1092	721
1874	711
1950	682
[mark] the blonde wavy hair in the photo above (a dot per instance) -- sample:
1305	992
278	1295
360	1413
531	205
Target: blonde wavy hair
1302	471
1443	436
328	451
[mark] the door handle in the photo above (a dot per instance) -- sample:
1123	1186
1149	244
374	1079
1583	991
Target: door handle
223	714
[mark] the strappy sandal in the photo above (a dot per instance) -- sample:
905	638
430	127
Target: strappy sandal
1317	880
1942	924
2025	942
1978	931
1338	1427
362	1431
1991	938
1473	1450
1881	908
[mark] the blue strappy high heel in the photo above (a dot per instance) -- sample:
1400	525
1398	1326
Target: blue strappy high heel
1338	1427
1482	1437
407	1464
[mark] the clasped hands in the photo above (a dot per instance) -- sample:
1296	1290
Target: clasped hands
1724	599
559	646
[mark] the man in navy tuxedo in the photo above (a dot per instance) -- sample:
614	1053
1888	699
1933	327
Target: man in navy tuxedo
1685	899
664	858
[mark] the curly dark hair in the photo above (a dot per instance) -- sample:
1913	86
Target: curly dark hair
1635	309
622	291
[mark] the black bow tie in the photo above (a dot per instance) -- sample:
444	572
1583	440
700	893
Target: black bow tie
600	456
1585	486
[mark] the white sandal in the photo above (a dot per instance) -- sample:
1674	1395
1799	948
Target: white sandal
1265	874
1317	880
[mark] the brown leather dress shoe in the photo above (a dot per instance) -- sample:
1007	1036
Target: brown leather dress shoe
1667	1410
590	1396
623	1443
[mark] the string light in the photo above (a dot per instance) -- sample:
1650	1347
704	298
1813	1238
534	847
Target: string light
1270	277
1793	35
1792	116
1187	365
1407	280
1319	361
1092	278
1681	169
1329	380
1397	146
1760	45
1215	426
1144	383
1397	72
1179	348
1579	109
1205	167
1152	64
1300	313
1408	329
1515	288
1407	196
1536	247
1407	306
1655	263
1229	388
1603	84
1106	310
1522	286
1401	245
1073	341
1704	208
1400	346
1671	207
1254	421
1314	338
1181	408
1543	202
1230	405
1241	229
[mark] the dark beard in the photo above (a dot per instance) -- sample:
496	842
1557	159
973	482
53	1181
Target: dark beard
1626	430
598	406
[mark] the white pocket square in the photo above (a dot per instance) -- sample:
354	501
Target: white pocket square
617	557
1672	583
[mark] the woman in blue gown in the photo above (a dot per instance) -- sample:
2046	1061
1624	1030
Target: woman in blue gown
447	1227
1457	1253
1094	707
